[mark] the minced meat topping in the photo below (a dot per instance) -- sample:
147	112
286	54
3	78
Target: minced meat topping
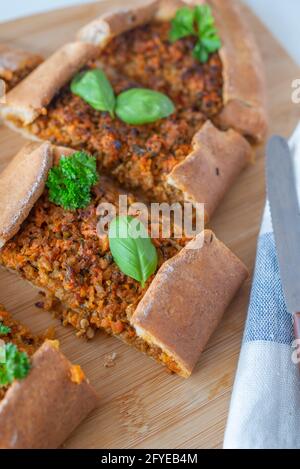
140	157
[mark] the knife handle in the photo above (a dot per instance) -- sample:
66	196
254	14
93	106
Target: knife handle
297	325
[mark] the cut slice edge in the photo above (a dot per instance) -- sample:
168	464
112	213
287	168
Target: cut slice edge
187	299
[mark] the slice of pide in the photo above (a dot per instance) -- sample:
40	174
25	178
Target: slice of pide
63	253
16	64
187	299
32	96
216	160
49	396
132	47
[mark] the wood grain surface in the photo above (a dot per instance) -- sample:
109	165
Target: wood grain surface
142	406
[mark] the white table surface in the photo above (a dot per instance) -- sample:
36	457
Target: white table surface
282	17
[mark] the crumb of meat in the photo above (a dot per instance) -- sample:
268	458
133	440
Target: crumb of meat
77	376
110	360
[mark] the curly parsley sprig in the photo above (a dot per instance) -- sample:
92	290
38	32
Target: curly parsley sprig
16	366
71	181
198	22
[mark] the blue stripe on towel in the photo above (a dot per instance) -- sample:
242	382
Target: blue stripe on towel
268	318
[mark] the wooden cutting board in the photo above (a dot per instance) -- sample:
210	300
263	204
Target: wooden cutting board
141	405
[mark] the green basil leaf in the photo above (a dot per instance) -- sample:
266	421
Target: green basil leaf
200	52
132	248
204	18
142	106
183	24
94	88
211	44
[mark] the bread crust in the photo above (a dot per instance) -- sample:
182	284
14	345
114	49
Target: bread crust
208	172
187	299
21	184
116	21
30	98
42	410
244	88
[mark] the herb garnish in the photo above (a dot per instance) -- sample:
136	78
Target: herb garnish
143	106
71	181
198	22
94	87
132	248
136	106
16	366
4	330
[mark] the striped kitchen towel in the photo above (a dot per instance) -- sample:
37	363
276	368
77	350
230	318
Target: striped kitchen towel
265	404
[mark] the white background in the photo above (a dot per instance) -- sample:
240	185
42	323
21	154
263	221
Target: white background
281	16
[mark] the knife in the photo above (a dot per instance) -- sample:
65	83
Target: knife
285	214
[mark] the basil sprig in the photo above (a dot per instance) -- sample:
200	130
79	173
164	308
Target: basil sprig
198	22
94	88
143	106
136	106
182	24
132	248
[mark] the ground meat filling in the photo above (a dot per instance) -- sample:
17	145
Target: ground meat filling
19	335
141	157
60	252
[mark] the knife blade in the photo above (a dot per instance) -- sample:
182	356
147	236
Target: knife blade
285	214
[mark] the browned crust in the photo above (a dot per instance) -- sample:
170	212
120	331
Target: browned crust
244	91
207	173
31	97
188	298
43	409
117	21
21	184
167	8
13	59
